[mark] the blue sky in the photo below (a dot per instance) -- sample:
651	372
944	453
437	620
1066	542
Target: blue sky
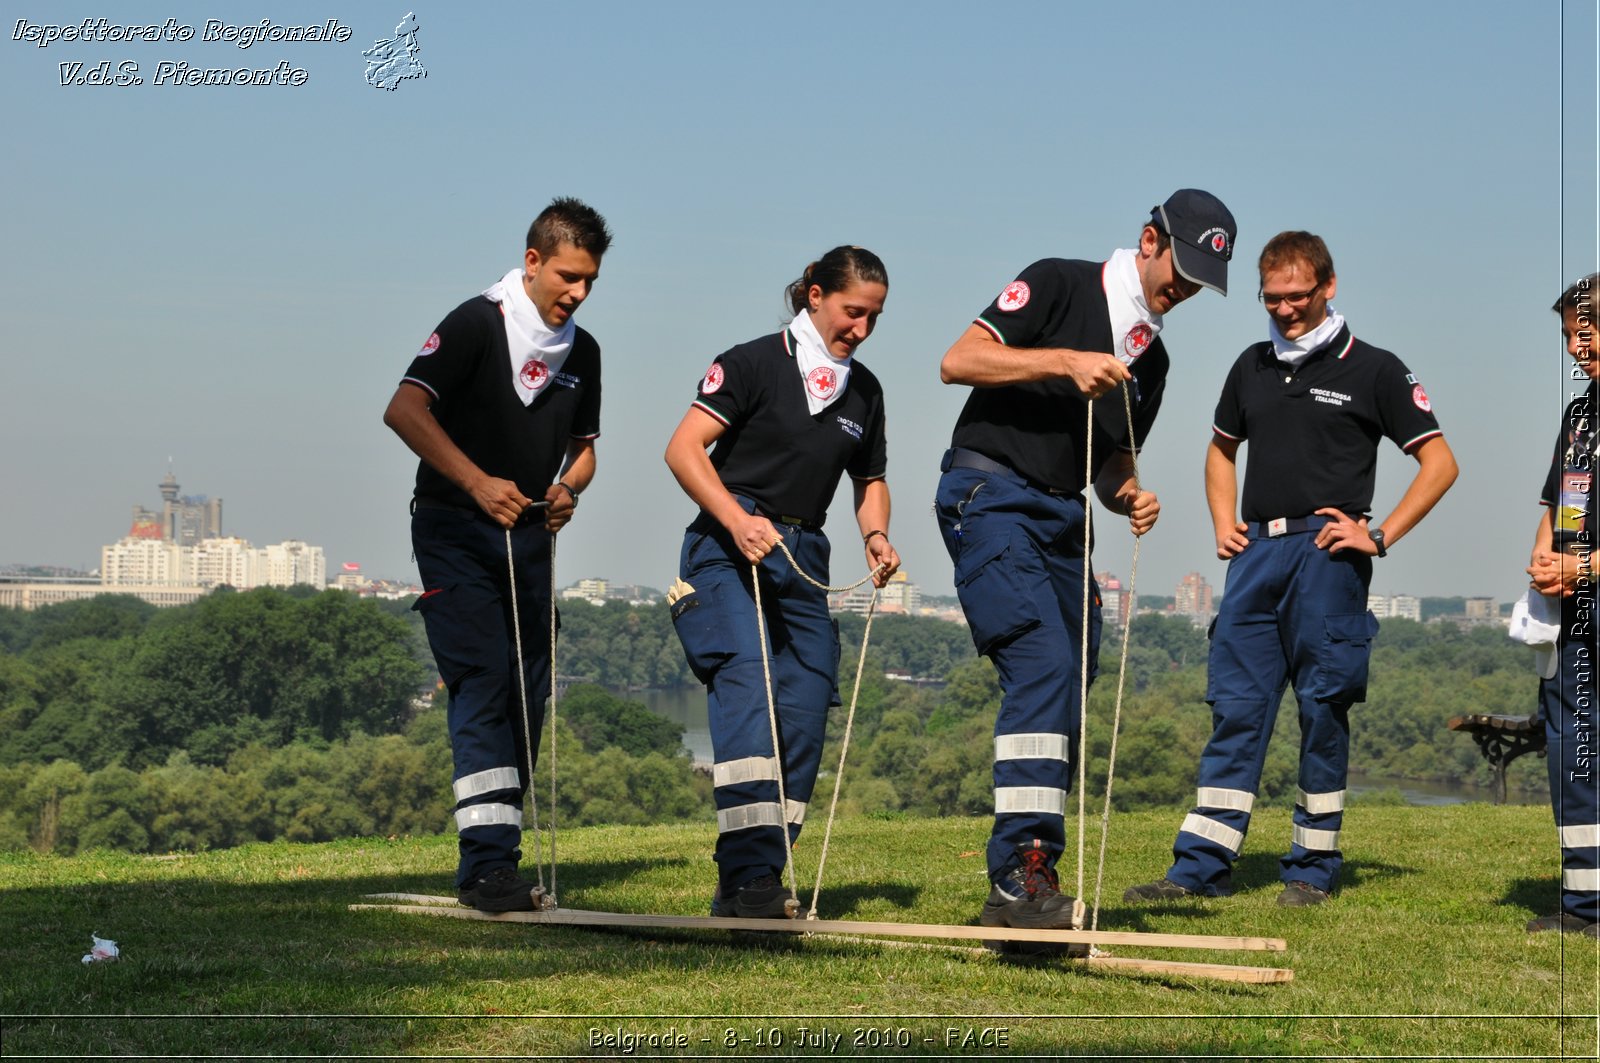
236	277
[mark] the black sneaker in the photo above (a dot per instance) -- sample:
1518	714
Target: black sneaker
1029	897
760	898
1567	924
1163	889
500	890
1301	895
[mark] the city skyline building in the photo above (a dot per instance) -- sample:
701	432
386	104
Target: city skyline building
1193	598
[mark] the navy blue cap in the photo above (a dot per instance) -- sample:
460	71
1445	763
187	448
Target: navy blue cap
1202	232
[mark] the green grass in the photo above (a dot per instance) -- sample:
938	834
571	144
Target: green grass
252	952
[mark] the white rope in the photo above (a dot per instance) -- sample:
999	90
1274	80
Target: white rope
772	720
527	729
844	748
772	716
1083	652
1122	675
522	690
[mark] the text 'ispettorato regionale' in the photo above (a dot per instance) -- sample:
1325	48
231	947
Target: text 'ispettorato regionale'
173	71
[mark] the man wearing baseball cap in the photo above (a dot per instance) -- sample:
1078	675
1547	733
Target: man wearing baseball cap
1314	402
1012	505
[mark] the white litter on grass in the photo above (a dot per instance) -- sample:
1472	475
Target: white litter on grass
102	949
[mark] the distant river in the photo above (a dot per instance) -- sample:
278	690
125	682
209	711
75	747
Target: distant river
687	706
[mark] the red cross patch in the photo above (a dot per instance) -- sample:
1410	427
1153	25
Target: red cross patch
1420	399
822	382
534	373
429	347
1137	340
713	379
1015	296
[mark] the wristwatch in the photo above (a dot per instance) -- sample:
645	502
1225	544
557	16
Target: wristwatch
1377	540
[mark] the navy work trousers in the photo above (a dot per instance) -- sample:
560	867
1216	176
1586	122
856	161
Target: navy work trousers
1567	703
466	606
716	623
1290	613
1020	560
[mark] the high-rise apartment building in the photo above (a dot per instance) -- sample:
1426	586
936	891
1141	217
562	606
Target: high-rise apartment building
1192	598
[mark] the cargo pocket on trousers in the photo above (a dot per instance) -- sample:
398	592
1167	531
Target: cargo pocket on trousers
1341	674
702	631
996	596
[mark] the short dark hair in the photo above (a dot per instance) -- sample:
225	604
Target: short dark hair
568	221
835	271
1579	291
1295	245
1163	238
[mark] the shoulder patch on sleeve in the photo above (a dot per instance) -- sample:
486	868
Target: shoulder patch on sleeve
430	346
713	379
1014	297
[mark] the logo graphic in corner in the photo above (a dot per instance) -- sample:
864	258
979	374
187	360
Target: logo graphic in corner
1136	342
429	347
1015	296
713	381
1218	239
1420	399
822	382
534	374
393	61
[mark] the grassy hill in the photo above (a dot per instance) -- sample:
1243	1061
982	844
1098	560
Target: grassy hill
252	952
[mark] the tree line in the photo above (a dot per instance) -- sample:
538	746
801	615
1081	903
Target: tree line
308	716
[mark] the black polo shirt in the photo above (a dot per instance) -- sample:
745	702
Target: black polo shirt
1572	469
466	366
774	451
1038	428
1314	430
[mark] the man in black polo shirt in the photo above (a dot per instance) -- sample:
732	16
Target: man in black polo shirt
1314	402
1012	512
503	398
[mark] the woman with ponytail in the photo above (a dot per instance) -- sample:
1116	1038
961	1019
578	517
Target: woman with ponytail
786	414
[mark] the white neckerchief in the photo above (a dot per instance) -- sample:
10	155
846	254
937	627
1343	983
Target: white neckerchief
1293	352
1133	326
537	352
823	375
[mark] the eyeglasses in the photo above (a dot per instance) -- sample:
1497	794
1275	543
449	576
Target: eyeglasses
1294	299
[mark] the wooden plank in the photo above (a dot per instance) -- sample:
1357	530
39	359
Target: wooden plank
1222	972
444	906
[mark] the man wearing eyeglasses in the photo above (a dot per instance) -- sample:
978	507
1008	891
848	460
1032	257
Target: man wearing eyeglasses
1313	401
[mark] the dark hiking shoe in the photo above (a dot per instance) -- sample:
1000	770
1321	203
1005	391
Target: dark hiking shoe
1301	895
1163	889
1029	897
500	890
1567	924
760	898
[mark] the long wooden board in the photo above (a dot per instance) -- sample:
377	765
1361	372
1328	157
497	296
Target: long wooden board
446	906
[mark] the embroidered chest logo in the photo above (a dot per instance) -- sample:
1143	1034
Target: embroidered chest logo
568	380
1332	398
850	428
713	380
822	382
534	374
1014	297
429	347
1136	342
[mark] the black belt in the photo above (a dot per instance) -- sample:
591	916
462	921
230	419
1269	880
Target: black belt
793	522
961	458
1271	529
